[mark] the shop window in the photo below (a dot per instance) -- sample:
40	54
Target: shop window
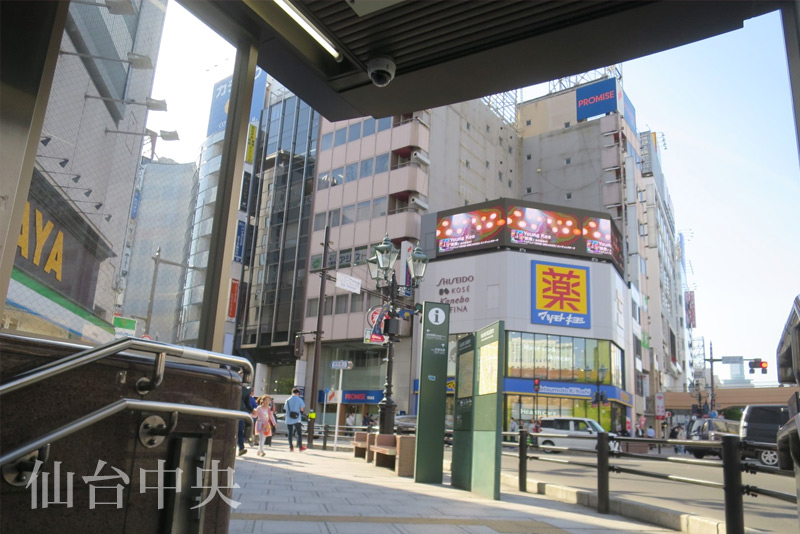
527	355
514	355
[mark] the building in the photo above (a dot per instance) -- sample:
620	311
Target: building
72	246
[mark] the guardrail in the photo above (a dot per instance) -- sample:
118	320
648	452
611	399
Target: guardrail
732	467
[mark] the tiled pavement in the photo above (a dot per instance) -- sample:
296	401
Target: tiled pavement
326	492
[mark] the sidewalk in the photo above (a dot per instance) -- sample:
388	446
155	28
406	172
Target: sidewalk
324	492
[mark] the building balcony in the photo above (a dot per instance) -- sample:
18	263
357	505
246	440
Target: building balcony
411	133
408	177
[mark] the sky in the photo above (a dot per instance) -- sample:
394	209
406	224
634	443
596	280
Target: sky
723	106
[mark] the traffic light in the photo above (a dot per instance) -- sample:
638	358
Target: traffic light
758	363
299	345
536	385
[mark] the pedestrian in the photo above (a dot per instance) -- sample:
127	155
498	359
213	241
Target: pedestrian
638	431
682	437
367	422
248	404
265	421
294	408
651	434
673	434
513	426
350	422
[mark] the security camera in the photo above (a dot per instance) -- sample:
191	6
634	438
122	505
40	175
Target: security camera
381	70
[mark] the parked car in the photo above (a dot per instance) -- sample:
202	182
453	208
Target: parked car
406	424
711	430
760	424
570	427
281	427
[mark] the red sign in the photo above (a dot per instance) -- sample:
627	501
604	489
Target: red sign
233	299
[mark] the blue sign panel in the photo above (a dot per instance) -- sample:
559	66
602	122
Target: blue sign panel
237	251
566	389
366	396
629	112
135	205
596	99
218	116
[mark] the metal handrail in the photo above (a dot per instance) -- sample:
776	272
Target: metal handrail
114	408
109	349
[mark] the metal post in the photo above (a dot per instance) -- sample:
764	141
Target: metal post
602	473
387	405
732	480
523	460
711	354
318	341
325	437
149	316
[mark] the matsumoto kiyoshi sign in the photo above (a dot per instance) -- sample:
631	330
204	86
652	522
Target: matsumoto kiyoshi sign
560	295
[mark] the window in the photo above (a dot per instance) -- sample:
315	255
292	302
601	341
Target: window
379	207
312	306
373	300
337	176
333	218
345	258
566	125
328	308
360	255
362	211
568	161
342	302
326	142
351	172
528	122
332	259
366	168
340	137
356	303
369	127
384	123
319	221
323	181
354	132
568	196
382	163
528	189
349	214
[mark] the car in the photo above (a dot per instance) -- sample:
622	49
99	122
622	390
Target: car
760	424
570	427
406	424
281	427
711	430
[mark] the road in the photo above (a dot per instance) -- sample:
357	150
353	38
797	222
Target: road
766	514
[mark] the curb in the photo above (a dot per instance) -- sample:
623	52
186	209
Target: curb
646	513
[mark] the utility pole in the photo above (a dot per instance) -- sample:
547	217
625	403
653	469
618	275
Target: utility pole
323	278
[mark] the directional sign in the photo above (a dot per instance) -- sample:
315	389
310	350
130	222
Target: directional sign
342	364
732	359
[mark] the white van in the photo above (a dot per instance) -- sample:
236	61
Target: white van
571	426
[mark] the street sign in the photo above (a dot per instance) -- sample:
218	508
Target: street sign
374	314
732	359
342	364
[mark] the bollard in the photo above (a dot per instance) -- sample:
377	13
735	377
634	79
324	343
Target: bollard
732	479
523	460
324	437
602	473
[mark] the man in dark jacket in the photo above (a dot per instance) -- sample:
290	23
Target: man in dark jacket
248	405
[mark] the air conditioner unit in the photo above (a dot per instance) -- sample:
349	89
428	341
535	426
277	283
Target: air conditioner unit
419	157
416	201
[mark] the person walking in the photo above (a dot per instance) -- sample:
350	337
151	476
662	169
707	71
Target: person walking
682	437
350	421
248	404
294	407
513	427
265	421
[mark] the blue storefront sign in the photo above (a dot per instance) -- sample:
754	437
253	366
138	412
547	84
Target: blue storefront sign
524	386
596	99
237	251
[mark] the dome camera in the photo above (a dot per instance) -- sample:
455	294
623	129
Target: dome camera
381	70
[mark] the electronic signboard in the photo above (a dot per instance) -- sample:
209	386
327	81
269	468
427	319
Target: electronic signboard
531	226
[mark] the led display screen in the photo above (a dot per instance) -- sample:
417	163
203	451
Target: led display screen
528	225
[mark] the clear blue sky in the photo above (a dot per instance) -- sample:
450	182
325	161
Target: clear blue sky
731	167
731	163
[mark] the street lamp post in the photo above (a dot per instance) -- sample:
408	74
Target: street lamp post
381	269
